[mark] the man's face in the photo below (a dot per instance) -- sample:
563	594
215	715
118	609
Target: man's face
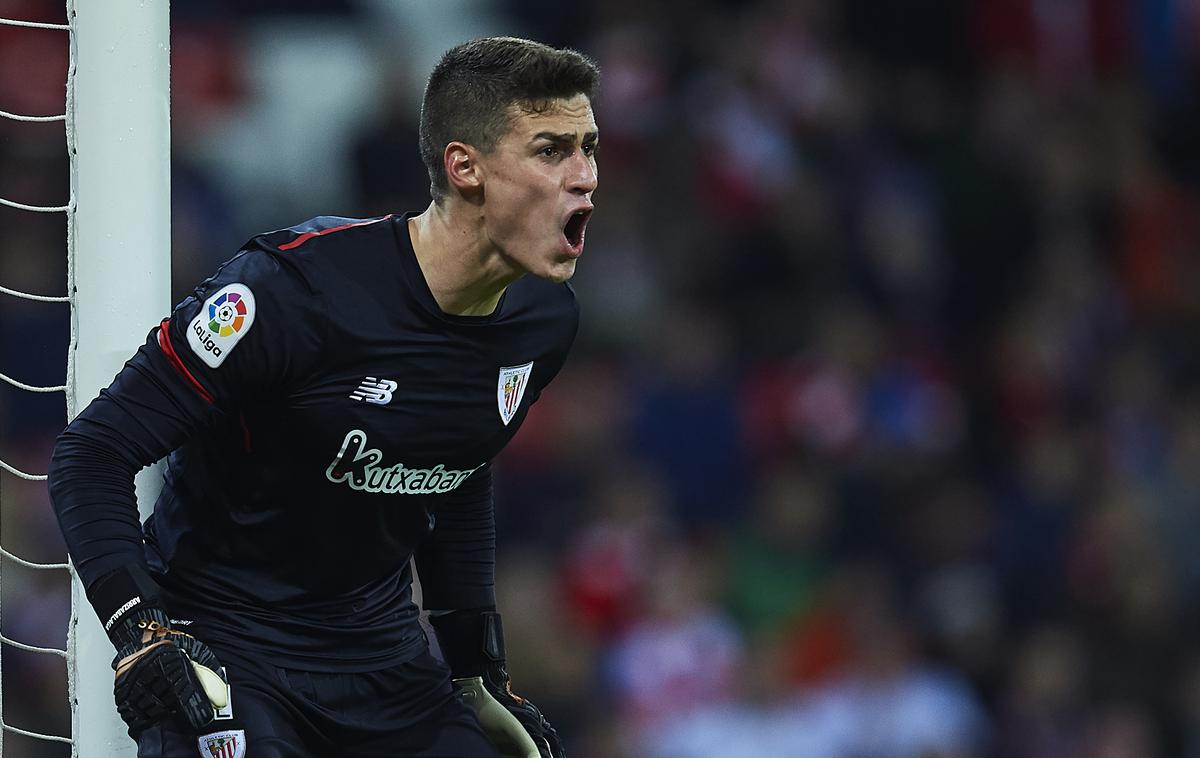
538	187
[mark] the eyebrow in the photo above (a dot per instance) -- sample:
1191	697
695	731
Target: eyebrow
565	137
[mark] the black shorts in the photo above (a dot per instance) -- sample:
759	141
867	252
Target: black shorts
406	711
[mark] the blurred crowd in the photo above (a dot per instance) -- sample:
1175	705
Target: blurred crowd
881	437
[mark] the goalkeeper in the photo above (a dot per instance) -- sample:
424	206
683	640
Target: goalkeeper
329	403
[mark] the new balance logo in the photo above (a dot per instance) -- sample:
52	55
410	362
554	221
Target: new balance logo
377	391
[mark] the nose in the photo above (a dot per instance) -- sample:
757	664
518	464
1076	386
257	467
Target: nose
583	176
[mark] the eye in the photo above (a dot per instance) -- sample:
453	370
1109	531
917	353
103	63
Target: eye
590	148
550	151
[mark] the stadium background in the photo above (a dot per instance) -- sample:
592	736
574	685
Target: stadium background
881	438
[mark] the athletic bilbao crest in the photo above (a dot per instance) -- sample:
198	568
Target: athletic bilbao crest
224	744
511	388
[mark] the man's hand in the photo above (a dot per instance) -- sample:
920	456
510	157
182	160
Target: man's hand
472	643
161	671
513	724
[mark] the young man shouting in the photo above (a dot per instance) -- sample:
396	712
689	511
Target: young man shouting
330	402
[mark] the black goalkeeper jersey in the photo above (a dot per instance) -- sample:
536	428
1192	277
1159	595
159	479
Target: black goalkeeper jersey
325	421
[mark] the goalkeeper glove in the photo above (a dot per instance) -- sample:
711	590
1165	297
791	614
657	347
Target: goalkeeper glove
159	671
472	643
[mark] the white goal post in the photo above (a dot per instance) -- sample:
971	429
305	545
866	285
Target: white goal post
119	241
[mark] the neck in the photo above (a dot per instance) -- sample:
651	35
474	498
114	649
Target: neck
466	273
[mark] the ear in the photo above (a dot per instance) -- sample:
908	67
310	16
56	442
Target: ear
460	161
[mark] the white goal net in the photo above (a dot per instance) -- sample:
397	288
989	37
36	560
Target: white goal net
116	124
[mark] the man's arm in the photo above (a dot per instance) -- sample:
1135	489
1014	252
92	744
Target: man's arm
178	382
134	422
457	567
457	561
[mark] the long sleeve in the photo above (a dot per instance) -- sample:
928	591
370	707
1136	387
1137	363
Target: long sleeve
186	375
457	561
137	420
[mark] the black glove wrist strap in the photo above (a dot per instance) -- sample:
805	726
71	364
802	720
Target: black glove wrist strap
130	630
118	593
472	641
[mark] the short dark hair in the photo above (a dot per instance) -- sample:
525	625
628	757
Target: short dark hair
470	90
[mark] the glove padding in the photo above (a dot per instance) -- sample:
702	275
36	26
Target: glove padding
472	642
514	725
161	671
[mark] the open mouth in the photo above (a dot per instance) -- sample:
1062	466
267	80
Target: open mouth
574	229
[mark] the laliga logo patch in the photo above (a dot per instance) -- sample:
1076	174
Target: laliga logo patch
230	744
510	388
224	319
227	314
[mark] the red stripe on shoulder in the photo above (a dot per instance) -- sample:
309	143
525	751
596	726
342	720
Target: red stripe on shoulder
309	235
164	343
